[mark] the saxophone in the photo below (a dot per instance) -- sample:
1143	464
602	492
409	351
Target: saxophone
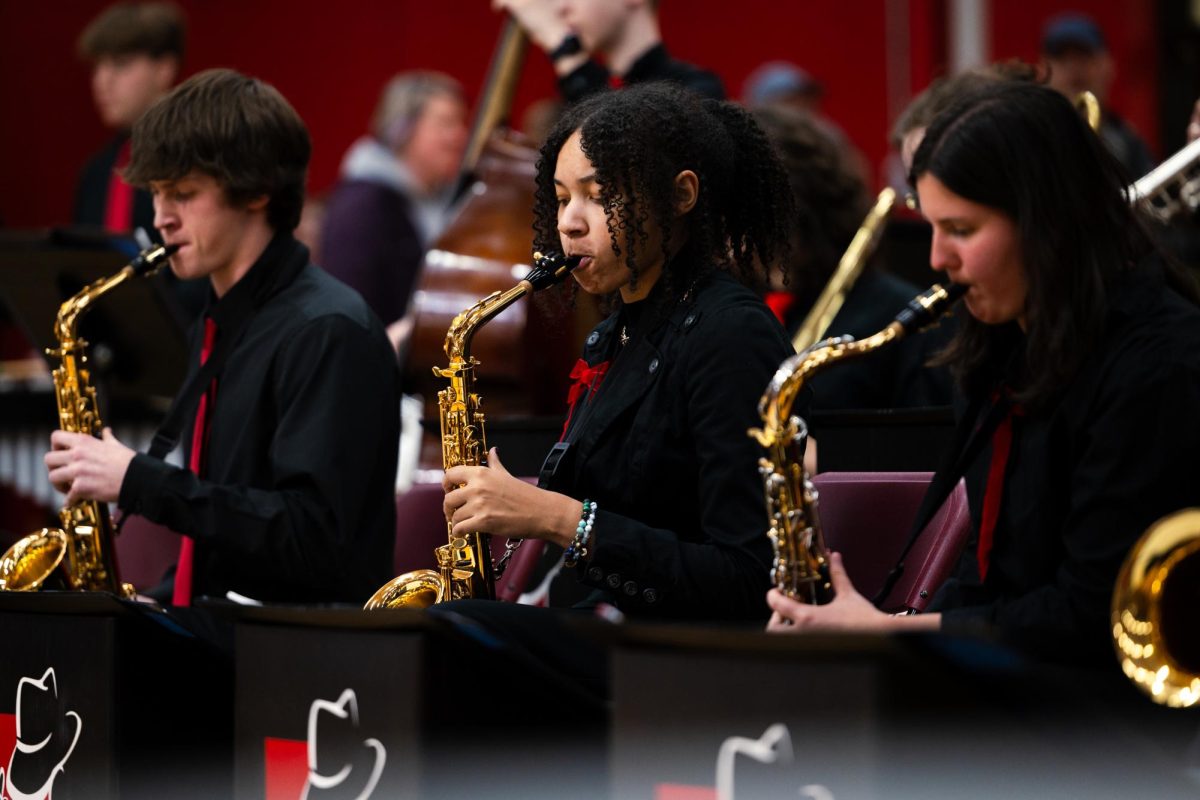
464	564
801	565
78	556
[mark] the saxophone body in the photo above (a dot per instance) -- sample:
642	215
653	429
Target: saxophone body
800	568
78	555
464	564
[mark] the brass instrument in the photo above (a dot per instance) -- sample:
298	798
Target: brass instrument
1172	188
851	265
465	563
1089	106
801	565
1154	611
78	556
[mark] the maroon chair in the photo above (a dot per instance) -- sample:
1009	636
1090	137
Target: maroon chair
420	527
867	517
145	551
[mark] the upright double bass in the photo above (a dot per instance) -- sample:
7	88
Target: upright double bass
529	348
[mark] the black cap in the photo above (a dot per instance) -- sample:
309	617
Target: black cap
1068	31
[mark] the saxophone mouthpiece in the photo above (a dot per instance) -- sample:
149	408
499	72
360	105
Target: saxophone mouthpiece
551	269
925	309
152	258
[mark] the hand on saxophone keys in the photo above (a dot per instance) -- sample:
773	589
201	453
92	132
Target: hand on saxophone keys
491	500
848	612
84	467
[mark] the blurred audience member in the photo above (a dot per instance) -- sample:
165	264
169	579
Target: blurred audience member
783	83
1078	60
394	193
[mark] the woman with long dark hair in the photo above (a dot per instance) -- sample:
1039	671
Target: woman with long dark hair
1080	359
653	492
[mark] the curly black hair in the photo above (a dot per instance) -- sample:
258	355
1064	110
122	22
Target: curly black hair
638	140
831	197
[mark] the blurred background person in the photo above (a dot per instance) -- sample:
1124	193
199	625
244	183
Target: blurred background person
1077	58
594	44
393	195
136	50
784	83
832	202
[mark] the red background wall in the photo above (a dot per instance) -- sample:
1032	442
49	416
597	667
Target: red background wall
330	60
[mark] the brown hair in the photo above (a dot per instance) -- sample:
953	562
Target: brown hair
943	92
155	29
237	129
831	199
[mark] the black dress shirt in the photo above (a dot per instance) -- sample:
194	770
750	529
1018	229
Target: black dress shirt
653	65
298	501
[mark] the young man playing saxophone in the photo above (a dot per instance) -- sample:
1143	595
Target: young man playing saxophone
291	427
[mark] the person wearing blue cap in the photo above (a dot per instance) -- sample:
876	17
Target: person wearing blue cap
1076	55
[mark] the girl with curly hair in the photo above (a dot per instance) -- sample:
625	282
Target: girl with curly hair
653	491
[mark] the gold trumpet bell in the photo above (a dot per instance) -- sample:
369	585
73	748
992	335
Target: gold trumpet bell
33	562
418	589
1154	611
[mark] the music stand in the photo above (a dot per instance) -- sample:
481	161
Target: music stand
136	346
882	440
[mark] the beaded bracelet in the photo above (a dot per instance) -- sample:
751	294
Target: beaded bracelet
583	534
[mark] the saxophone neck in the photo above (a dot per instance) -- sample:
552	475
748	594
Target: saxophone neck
463	327
69	312
147	262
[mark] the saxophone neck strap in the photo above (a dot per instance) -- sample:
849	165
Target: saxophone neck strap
967	446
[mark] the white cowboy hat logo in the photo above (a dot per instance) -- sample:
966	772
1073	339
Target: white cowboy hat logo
37	759
344	753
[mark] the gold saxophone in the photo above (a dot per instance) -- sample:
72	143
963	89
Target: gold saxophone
801	565
849	267
78	556
465	563
1154	611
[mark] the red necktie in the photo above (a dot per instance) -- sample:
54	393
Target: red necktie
583	375
780	303
118	211
183	571
994	492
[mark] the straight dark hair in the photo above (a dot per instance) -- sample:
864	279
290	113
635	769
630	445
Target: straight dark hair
238	130
638	139
1024	150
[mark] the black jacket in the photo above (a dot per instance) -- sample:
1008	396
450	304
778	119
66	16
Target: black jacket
1084	480
297	504
662	448
653	65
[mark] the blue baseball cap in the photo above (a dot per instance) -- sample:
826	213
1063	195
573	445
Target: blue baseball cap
1072	30
777	79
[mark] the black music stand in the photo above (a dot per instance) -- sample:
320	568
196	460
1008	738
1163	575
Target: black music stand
137	351
883	440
